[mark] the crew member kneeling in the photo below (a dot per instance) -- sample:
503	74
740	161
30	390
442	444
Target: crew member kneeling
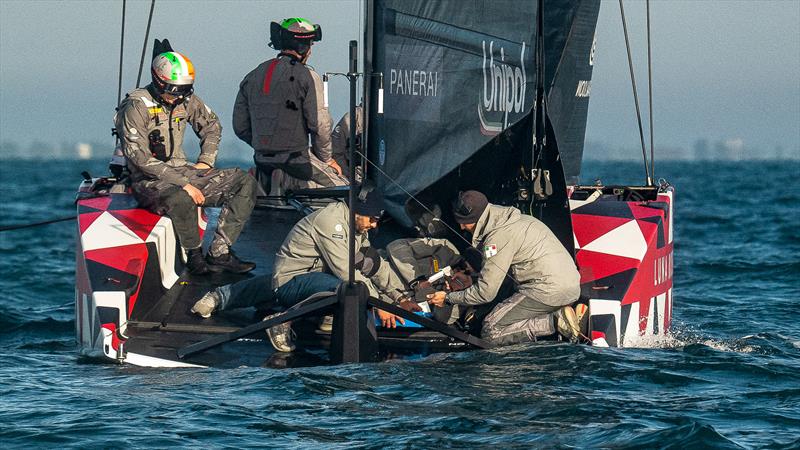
546	279
314	258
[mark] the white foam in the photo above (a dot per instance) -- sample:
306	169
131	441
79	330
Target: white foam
679	338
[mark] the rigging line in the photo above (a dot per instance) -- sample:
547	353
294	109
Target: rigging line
648	178
121	48
144	45
362	44
35	224
425	207
650	94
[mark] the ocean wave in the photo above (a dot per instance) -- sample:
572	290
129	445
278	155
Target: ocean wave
691	434
15	326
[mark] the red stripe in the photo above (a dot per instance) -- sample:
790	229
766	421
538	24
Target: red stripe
268	78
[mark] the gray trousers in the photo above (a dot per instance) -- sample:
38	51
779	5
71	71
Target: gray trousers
296	170
232	189
518	319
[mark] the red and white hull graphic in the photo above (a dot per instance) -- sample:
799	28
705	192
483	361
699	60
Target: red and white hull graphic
624	251
123	253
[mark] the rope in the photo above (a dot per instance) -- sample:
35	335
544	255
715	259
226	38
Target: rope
648	178
650	94
35	224
121	48
144	45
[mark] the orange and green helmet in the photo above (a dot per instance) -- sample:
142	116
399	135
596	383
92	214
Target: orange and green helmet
173	73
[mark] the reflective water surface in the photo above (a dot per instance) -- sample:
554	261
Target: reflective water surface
728	377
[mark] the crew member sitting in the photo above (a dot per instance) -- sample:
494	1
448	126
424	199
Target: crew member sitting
314	258
279	105
150	123
545	277
340	140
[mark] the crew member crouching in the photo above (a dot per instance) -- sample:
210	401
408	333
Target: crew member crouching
314	258
546	279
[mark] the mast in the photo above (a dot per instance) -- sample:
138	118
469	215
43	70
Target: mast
353	77
368	39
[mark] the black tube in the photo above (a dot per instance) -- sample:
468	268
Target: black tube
35	224
121	48
144	46
539	125
648	179
352	76
650	94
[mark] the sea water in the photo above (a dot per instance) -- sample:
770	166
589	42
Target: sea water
727	377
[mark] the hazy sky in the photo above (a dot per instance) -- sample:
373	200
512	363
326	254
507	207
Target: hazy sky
722	69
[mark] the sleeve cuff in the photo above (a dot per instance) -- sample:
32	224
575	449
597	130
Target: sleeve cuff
206	157
451	298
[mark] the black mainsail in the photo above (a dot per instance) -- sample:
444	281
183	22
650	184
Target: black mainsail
459	82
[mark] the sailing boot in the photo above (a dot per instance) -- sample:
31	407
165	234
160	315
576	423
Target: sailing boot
281	335
195	262
326	324
567	323
582	311
228	262
206	305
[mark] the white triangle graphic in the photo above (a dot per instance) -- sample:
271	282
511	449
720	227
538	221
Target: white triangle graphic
577	246
626	240
164	237
107	231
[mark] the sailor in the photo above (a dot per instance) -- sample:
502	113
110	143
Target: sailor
150	123
340	140
314	258
519	246
280	107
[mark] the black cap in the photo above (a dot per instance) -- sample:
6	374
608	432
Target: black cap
369	202
469	206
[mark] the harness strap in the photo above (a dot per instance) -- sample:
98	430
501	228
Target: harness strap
268	77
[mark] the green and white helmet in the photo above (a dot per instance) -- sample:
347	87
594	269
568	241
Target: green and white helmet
294	33
173	73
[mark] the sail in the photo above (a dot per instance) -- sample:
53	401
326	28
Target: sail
458	75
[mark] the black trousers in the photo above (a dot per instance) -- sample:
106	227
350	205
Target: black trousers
232	189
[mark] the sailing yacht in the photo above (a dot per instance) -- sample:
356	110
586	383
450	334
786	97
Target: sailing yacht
490	95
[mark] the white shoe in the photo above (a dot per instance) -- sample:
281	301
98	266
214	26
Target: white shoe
281	335
206	305
326	324
567	323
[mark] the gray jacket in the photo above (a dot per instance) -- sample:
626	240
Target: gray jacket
340	138
541	266
415	257
279	104
318	243
139	114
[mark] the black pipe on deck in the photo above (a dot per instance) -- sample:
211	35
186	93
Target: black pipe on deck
354	338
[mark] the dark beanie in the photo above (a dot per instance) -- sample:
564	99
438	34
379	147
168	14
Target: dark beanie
369	202
469	206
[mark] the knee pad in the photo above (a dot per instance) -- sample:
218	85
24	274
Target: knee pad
368	261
